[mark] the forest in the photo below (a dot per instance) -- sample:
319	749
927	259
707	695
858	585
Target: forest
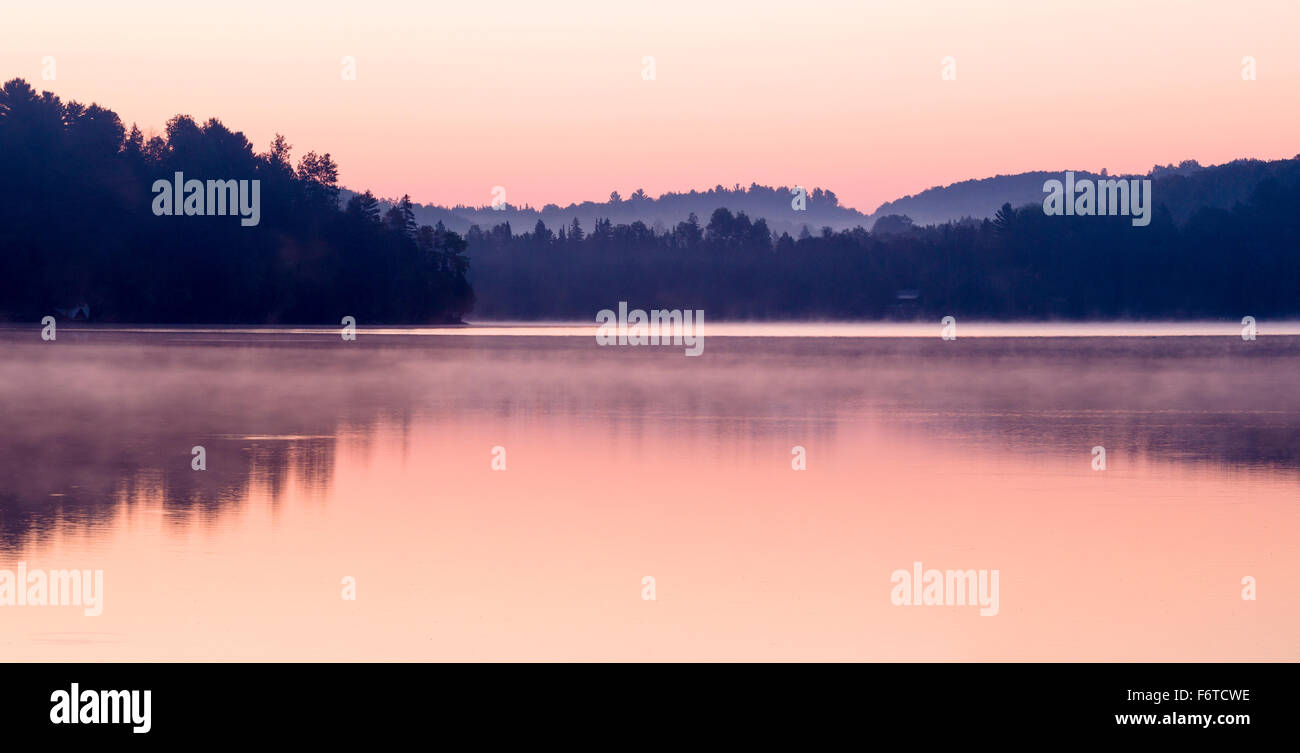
79	235
78	231
1020	264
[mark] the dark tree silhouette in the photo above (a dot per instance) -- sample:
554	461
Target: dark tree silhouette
77	226
1022	264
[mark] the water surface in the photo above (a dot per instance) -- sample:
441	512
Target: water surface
372	459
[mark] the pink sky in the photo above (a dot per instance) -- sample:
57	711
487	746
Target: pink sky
548	100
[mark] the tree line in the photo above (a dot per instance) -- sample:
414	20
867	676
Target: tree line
1020	264
77	227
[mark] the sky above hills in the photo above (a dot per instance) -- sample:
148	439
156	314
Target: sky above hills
552	101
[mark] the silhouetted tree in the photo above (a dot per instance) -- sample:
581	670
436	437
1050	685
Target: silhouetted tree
1020	264
77	226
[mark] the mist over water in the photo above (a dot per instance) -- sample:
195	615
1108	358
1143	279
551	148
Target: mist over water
371	459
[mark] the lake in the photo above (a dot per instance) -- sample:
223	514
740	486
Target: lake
366	468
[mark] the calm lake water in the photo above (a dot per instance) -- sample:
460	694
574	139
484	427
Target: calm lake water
372	460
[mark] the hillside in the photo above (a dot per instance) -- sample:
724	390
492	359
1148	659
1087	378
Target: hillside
1181	189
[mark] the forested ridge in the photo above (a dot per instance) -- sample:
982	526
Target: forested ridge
1021	264
77	226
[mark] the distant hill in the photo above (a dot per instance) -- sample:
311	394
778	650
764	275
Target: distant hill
1181	188
772	204
972	198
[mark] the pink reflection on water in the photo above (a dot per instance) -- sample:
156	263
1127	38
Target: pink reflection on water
618	470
